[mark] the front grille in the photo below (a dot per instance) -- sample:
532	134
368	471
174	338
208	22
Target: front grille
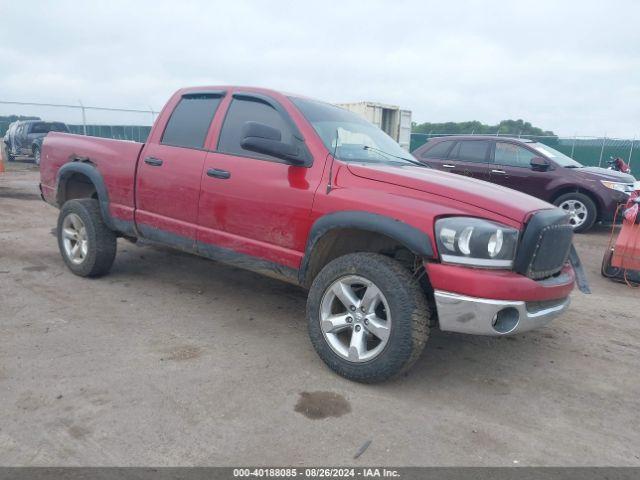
545	244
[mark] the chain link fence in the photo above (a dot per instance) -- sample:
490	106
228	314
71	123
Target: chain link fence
590	151
118	123
110	123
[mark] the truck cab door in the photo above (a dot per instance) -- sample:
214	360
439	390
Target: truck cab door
253	206
170	171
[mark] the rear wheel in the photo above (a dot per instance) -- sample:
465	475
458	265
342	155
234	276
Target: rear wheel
36	154
7	153
367	317
87	245
580	208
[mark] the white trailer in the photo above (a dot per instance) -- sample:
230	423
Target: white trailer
394	121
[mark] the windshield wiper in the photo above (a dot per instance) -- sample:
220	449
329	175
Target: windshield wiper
413	162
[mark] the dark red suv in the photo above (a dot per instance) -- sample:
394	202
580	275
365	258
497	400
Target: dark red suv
588	194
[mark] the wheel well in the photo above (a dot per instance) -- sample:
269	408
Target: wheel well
342	241
588	193
77	185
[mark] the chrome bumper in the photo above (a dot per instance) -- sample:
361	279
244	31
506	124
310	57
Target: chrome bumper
483	316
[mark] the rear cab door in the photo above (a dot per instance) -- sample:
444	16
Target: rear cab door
170	169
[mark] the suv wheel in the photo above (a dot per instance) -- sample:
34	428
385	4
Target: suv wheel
87	245
367	317
36	154
581	209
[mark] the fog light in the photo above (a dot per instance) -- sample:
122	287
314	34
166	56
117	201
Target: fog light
506	320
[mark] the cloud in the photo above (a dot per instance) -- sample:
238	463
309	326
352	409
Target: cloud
569	66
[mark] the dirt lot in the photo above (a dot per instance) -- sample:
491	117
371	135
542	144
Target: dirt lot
176	360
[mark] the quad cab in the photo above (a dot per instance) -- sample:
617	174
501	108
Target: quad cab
312	194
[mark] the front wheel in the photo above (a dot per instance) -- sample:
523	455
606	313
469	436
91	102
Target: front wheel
580	208
367	317
87	245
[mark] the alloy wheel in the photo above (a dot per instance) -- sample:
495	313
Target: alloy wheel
74	238
577	212
355	318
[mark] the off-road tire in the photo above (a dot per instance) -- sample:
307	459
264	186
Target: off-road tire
592	210
102	241
409	309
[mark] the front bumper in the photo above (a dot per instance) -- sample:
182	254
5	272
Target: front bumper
483	316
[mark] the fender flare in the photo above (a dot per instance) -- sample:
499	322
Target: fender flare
86	168
413	238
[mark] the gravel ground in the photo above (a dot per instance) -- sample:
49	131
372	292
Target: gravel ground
176	360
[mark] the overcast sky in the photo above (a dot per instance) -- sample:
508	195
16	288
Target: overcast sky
569	66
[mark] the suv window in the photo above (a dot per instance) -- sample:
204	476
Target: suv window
470	151
189	123
46	127
513	155
249	110
439	150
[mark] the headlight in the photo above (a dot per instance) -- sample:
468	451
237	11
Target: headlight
620	187
476	242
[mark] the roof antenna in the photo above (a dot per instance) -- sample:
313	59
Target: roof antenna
333	159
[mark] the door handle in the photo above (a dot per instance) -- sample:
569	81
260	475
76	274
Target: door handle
217	173
154	162
448	166
501	172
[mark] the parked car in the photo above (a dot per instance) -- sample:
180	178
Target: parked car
24	137
587	194
315	195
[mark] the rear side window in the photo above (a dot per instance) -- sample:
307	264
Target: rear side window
245	110
513	155
471	151
439	150
189	122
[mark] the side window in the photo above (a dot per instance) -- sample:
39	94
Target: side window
189	123
512	155
439	150
242	111
472	151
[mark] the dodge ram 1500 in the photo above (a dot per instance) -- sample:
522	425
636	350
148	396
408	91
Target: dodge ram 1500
310	193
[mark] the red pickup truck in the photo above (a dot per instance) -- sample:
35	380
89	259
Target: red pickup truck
312	194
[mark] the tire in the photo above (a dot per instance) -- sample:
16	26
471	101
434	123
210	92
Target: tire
408	311
583	205
7	153
36	154
95	243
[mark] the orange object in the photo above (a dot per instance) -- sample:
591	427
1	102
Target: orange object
626	254
627	250
1	165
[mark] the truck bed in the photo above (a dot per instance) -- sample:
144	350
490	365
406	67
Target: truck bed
115	160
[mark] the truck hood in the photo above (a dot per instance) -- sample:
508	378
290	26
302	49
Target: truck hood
477	193
599	173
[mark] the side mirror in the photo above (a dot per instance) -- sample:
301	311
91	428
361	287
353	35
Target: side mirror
539	164
261	138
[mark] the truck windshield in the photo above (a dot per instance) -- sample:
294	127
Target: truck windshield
352	137
558	157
